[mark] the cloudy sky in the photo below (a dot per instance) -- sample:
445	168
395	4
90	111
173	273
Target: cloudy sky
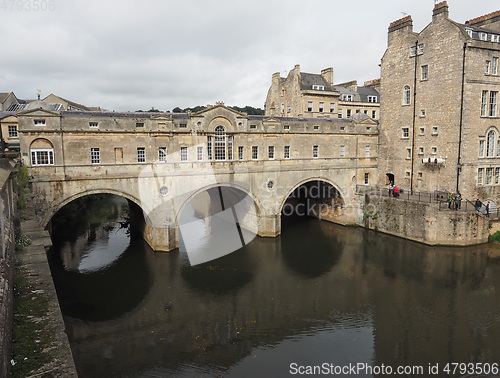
138	54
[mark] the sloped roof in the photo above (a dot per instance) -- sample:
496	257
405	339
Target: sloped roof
309	79
3	96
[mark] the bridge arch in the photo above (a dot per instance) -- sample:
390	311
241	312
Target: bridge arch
240	187
61	204
307	180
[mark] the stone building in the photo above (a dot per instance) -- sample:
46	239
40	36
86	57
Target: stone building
303	94
440	125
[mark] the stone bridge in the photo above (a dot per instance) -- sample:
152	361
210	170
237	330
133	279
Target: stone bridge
161	162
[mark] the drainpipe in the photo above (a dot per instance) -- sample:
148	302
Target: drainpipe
2	142
414	115
459	162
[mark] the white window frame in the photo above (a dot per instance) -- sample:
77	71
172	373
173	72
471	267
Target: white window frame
270	150
405	133
490	144
286	152
255	152
484	104
184	154
374	114
367	178
489	176
310	107
315	153
321	107
487	67
94	125
95	155
36	158
199	153
480	174
162	154
493	104
12	132
367	151
240	152
39	122
406	95
141	154
424	72
342	150
372	98
494	65
482	143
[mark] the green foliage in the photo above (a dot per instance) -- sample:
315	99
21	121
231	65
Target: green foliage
494	238
250	110
23	179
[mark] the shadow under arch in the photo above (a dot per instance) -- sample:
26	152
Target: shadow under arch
73	197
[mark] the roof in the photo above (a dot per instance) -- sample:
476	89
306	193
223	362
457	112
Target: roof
3	96
72	113
308	80
474	33
71	103
299	119
19	107
361	95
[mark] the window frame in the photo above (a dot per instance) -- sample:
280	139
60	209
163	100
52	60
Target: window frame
95	155
141	155
34	154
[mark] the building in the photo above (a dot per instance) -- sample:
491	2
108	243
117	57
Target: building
309	95
440	122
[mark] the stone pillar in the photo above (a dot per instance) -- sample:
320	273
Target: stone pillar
269	225
163	239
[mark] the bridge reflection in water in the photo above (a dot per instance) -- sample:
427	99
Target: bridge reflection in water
319	293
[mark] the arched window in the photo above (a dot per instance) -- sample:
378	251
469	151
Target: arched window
41	152
220	143
406	95
490	144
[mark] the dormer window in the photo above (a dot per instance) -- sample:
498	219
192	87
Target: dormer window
319	87
39	122
347	97
469	32
93	124
372	98
483	36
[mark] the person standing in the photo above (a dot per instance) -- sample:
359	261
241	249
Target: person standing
487	209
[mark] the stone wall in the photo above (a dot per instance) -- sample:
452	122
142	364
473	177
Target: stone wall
7	216
423	222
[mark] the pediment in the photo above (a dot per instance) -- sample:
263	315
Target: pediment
39	112
365	121
161	117
9	118
219	110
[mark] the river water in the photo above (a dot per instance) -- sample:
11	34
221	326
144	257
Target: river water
321	295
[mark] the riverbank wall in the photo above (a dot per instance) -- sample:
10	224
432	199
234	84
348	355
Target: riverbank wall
423	222
8	217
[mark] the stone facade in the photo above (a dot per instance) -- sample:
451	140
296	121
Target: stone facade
435	113
303	94
71	154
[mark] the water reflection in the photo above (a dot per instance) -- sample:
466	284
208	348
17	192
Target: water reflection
320	293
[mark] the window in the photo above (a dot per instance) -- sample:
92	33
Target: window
422	113
332	107
434	150
420	49
271	152
184	153
406	95
319	87
490	144
12	129
230	139
480	176
420	150
283	108
209	147
420	175
497	176
407	174
321	107
141	154
367	151
489	176
483	36
315	151
374	114
289	109
282	93
348	113
422	131
316	127
342	128
95	156
220	143
406	132
342	151
199	153
255	152
372	98
347	97
434	130
309	106
484	103
93	124
286	152
42	156
162	154
140	125
493	103
365	111
487	67
494	66
183	125
367	178
481	148
286	127
424	72
340	113
413	50
240	152
408	153
252	127
39	122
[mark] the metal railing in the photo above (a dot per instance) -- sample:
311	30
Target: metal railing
428	197
469	206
